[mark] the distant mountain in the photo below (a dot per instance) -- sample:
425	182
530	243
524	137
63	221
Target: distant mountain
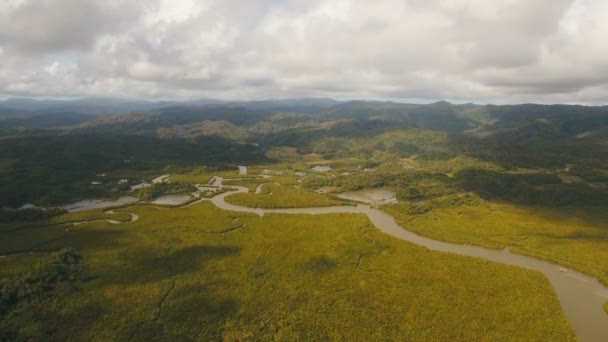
481	119
564	119
10	113
145	117
223	129
26	104
104	106
285	121
92	106
438	116
50	120
300	105
149	122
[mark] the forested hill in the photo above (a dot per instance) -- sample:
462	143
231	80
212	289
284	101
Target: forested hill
141	116
51	150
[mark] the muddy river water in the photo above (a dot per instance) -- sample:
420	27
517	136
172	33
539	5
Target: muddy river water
581	296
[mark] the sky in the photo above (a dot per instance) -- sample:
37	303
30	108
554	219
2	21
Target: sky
499	51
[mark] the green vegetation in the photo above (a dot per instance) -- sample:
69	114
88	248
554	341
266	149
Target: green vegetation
250	184
97	214
276	196
191	178
222	129
202	273
29	214
570	237
161	189
532	178
38	236
33	285
253	183
36	173
449	201
50	279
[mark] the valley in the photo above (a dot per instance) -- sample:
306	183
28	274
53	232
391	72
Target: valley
288	229
243	171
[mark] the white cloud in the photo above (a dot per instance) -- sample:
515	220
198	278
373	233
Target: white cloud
493	51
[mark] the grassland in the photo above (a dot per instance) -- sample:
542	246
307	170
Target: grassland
191	178
200	273
161	189
453	190
250	184
65	219
284	178
568	236
277	196
39	236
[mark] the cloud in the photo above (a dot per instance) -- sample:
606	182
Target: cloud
39	26
488	51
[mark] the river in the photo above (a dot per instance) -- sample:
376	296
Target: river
581	296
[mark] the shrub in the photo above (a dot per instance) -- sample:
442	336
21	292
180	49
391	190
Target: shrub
29	214
162	189
61	266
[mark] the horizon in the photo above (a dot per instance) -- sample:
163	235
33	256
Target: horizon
346	100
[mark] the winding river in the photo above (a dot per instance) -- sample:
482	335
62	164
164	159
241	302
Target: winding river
581	296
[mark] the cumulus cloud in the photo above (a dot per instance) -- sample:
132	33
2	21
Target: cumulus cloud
485	51
38	26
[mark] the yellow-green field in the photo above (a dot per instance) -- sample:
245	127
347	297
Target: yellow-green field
200	273
252	183
249	184
18	237
571	237
277	196
191	178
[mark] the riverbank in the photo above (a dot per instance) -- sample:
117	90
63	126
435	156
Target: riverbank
581	296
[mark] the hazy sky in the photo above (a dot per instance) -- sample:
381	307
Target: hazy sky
473	50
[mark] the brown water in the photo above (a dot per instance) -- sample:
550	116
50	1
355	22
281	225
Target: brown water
133	219
581	296
258	189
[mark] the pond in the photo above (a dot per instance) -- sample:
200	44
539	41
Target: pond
90	204
140	186
172	199
370	196
160	179
322	168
